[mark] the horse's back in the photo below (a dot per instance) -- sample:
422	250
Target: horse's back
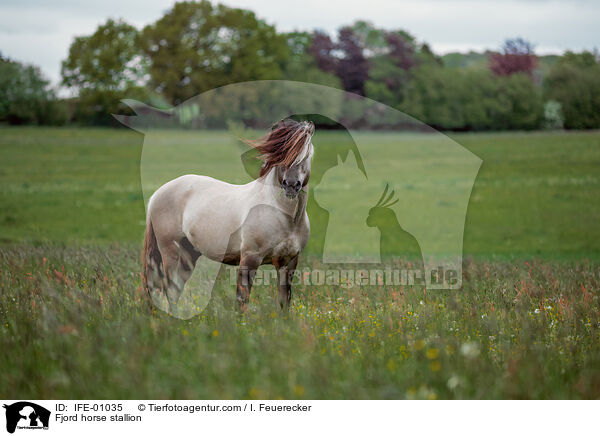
178	191
205	210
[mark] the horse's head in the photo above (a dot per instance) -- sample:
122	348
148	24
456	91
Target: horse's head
381	212
294	177
288	150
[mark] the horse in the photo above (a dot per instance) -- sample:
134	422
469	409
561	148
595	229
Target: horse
261	222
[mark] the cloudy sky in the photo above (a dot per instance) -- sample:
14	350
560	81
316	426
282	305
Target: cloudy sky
39	32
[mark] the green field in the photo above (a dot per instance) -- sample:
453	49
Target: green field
74	324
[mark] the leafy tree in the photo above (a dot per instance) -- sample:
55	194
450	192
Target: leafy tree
371	39
471	59
25	96
387	56
454	99
433	97
345	57
353	66
386	82
425	56
574	82
370	60
321	48
302	66
96	107
105	68
390	70
585	59
521	104
401	49
109	59
517	57
195	47
367	60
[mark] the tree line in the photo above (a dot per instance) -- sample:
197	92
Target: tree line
198	46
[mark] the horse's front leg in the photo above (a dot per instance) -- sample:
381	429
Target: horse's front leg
285	274
249	263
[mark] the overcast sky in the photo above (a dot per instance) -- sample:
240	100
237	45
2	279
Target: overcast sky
40	32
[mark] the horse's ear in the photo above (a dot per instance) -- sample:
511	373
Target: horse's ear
146	116
339	160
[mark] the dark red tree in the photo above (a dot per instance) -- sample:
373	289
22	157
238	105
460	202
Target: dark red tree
401	50
321	48
517	57
353	66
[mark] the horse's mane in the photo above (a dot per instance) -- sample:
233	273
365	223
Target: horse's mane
287	143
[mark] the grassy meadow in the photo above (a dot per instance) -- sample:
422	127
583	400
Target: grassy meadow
74	323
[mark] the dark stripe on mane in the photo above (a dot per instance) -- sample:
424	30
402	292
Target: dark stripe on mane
283	144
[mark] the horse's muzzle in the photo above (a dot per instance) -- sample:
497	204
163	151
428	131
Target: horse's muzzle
291	188
291	194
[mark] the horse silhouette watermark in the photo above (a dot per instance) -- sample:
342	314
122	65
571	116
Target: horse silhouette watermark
420	228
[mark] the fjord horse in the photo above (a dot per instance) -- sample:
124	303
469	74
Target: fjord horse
261	222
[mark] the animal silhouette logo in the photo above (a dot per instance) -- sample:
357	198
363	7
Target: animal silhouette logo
26	415
347	212
394	241
431	175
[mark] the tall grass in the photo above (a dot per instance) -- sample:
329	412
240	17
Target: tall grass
75	325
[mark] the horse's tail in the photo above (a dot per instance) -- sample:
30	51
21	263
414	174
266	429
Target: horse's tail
151	259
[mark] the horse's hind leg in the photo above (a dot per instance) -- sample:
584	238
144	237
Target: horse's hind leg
171	281
179	261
